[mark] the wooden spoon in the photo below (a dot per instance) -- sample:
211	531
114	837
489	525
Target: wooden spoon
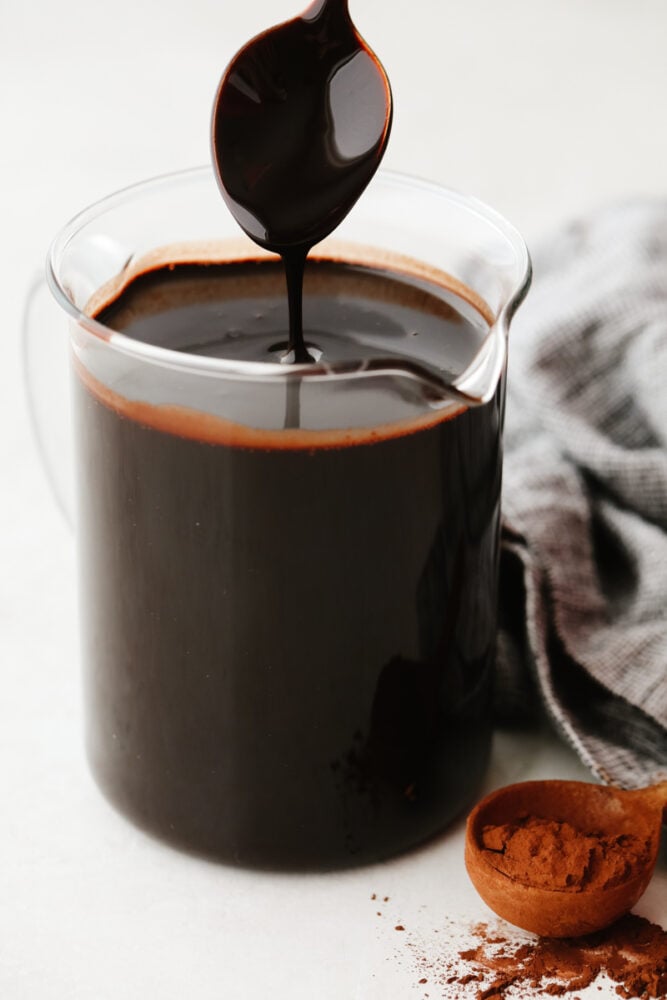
588	808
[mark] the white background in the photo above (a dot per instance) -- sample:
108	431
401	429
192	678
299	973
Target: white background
544	108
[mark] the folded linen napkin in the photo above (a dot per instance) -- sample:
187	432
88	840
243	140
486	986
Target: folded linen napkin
584	562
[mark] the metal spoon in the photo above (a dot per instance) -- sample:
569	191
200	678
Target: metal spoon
587	807
301	121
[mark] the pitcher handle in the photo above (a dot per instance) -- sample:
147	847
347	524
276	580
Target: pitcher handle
47	385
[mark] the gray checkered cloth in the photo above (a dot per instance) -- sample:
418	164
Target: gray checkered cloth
584	562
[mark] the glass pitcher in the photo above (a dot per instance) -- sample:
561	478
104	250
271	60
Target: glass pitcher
288	573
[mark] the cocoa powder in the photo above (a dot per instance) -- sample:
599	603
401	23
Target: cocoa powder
549	854
632	953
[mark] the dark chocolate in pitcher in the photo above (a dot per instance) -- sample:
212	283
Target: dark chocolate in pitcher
288	637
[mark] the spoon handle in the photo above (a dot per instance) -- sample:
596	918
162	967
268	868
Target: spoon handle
320	7
654	795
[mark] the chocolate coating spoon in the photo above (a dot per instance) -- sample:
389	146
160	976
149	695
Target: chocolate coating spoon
587	807
300	123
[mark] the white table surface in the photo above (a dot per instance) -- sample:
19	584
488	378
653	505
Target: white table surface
543	108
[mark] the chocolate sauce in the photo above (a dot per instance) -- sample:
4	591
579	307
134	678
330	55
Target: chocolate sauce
300	124
288	634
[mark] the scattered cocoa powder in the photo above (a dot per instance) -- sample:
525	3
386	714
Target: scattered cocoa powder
549	854
632	953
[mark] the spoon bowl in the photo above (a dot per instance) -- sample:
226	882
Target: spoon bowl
301	120
588	808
